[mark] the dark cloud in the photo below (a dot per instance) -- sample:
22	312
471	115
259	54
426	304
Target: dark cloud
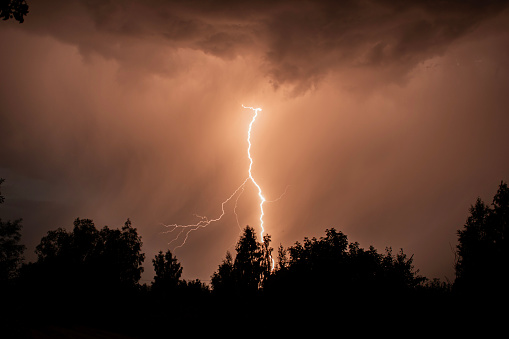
299	42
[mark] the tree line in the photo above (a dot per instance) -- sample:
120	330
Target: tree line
92	276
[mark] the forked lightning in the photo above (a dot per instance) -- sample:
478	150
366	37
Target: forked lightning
204	221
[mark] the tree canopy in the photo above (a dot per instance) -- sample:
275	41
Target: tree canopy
246	273
167	271
11	251
99	263
483	251
13	9
332	267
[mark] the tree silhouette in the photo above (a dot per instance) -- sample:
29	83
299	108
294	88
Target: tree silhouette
267	262
499	219
246	273
282	258
85	266
331	269
11	251
247	266
118	254
11	258
167	272
16	9
89	273
2	198
482	265
223	280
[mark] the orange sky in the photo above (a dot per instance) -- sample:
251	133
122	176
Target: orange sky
385	120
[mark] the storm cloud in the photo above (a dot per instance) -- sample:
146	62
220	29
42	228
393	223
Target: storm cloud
297	42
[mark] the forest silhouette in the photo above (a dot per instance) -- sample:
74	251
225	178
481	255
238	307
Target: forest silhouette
86	283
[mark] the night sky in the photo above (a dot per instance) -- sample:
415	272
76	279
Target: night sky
383	119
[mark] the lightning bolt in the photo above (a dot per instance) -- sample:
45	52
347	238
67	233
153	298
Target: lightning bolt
204	221
260	195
